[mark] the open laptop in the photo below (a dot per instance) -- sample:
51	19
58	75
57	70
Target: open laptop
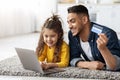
29	61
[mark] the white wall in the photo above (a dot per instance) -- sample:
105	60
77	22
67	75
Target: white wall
45	9
16	17
62	11
107	15
24	16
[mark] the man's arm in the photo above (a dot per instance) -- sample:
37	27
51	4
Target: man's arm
110	59
74	51
94	65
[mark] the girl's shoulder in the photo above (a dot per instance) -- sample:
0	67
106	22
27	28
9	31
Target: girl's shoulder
64	43
65	46
45	46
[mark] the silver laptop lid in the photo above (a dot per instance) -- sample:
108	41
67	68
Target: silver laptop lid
29	59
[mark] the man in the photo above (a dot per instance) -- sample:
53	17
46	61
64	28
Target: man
92	46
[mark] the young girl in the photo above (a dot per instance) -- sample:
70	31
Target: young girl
52	51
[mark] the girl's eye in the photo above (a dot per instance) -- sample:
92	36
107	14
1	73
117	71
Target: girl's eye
46	36
52	35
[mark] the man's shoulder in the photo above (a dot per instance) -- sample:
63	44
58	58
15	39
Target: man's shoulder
70	34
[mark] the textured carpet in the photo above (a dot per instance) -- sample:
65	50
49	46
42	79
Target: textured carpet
13	67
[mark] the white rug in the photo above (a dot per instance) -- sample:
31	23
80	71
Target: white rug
13	67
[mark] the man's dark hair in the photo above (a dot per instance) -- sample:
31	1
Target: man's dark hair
79	9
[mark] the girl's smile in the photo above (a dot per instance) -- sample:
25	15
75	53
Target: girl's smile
50	37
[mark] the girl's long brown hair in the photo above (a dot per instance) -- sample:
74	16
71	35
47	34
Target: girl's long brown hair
53	23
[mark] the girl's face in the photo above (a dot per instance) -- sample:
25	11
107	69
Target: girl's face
50	37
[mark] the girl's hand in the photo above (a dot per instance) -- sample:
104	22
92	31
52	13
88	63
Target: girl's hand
43	64
102	41
46	65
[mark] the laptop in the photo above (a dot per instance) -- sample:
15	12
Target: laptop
30	61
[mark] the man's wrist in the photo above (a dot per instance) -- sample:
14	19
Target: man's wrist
103	49
83	64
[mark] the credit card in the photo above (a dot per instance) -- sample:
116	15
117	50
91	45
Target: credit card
97	29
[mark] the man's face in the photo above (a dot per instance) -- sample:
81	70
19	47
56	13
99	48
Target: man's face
75	23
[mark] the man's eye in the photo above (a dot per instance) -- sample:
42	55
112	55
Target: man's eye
72	21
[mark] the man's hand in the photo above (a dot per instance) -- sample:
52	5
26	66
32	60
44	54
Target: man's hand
102	41
94	65
97	65
110	60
